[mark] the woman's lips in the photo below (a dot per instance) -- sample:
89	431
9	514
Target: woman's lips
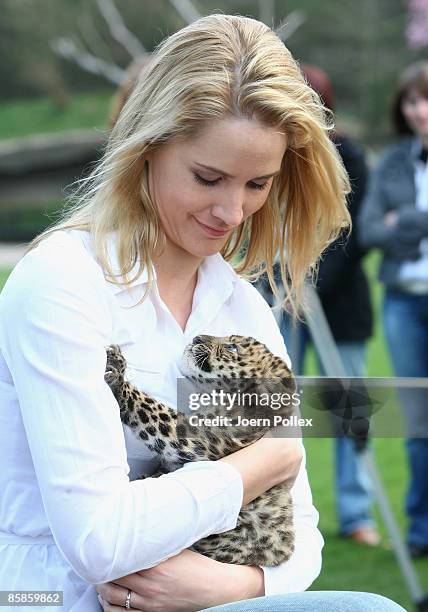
212	231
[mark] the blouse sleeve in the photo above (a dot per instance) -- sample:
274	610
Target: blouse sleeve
55	322
304	566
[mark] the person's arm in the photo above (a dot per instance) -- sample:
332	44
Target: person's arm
303	567
56	319
55	322
382	225
191	581
266	463
409	217
372	229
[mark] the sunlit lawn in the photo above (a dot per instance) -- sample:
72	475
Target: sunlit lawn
3	276
41	115
351	566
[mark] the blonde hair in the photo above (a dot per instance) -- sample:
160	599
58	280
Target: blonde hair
219	66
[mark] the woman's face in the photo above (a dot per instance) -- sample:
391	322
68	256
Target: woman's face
205	187
414	107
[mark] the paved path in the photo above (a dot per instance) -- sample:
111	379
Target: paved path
10	254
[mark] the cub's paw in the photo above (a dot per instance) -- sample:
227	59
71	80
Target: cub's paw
115	366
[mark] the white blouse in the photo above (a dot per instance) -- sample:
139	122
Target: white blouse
71	515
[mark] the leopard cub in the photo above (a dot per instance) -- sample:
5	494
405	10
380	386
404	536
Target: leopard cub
264	532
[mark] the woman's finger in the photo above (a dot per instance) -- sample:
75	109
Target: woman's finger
115	596
108	607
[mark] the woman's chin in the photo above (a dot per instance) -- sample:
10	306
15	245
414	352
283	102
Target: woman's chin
207	248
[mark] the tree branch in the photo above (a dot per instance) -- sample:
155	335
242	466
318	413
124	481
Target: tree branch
186	10
118	29
290	24
267	12
91	38
68	49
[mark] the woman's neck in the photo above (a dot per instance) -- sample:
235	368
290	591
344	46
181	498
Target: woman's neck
177	273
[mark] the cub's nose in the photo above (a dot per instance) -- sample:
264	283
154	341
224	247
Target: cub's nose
201	339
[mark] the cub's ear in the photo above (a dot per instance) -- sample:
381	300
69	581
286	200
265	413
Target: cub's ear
280	368
289	384
281	377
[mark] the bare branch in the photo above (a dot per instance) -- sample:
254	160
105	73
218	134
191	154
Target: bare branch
290	24
92	38
118	29
68	49
267	12
186	10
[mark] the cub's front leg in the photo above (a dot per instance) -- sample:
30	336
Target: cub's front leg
151	420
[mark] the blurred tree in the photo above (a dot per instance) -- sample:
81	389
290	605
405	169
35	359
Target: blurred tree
28	67
417	27
362	45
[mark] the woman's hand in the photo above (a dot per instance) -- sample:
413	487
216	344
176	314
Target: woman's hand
266	463
390	219
184	583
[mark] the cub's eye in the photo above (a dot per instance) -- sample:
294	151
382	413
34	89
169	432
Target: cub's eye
232	348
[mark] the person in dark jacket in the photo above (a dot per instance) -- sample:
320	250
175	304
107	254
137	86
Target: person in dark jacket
394	218
344	293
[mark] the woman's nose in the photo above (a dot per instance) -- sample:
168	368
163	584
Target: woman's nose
422	107
231	209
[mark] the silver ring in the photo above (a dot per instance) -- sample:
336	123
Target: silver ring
128	600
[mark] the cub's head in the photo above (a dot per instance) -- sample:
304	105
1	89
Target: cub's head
224	358
251	378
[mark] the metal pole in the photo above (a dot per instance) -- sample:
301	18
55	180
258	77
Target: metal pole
330	358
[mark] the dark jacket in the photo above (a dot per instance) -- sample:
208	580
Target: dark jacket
392	188
342	284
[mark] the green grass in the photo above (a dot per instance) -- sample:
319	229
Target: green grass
4	273
350	566
347	565
40	115
378	363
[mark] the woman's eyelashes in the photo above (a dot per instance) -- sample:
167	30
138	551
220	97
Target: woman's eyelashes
199	179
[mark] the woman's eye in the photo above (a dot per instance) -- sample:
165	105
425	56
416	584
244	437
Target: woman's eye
232	348
205	182
202	181
258	186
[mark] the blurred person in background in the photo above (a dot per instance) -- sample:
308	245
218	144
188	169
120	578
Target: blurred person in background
394	218
344	293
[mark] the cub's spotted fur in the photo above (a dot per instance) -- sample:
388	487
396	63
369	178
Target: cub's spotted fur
264	533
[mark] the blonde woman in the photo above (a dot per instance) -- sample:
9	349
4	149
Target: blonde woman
222	145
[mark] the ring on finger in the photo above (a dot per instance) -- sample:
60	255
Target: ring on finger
128	600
